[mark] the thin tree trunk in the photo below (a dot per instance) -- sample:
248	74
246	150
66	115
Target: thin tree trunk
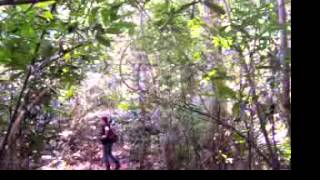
261	116
285	68
21	94
8	157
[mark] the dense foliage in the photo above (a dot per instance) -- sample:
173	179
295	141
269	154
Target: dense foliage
201	84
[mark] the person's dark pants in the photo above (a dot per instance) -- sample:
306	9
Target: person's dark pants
107	153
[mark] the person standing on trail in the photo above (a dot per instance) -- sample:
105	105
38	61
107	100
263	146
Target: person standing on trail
107	138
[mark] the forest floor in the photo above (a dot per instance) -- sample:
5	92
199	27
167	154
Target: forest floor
84	153
77	148
82	161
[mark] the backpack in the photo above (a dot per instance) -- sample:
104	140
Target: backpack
111	136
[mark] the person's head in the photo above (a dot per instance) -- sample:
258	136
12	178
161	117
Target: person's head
105	120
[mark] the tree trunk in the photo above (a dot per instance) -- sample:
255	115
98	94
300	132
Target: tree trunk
285	68
9	158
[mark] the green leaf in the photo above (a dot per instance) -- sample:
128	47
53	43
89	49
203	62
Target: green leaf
5	56
195	26
109	15
93	15
113	30
124	106
67	57
225	42
44	5
236	109
131	31
124	25
216	41
105	15
119	27
70	93
211	75
28	31
197	56
102	40
223	91
239	139
48	15
65	70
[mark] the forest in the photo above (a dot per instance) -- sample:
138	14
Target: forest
185	84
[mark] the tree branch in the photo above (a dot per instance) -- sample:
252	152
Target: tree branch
18	2
120	69
48	61
178	11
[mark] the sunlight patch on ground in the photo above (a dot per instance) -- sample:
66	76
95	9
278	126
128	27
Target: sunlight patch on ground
65	133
